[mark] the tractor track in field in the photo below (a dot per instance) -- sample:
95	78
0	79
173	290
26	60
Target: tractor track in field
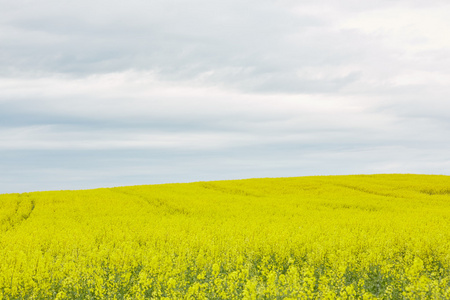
156	202
363	190
17	217
229	191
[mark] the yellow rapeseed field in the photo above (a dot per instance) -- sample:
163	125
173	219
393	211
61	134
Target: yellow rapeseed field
323	237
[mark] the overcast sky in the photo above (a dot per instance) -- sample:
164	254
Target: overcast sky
113	93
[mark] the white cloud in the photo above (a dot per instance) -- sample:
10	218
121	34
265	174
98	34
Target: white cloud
414	29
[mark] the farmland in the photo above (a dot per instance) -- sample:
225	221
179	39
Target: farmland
321	237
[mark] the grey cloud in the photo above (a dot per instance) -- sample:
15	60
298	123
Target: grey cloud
111	93
179	40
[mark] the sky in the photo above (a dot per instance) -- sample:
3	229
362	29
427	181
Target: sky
114	93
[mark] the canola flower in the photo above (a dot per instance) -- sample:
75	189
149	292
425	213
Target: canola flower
324	237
